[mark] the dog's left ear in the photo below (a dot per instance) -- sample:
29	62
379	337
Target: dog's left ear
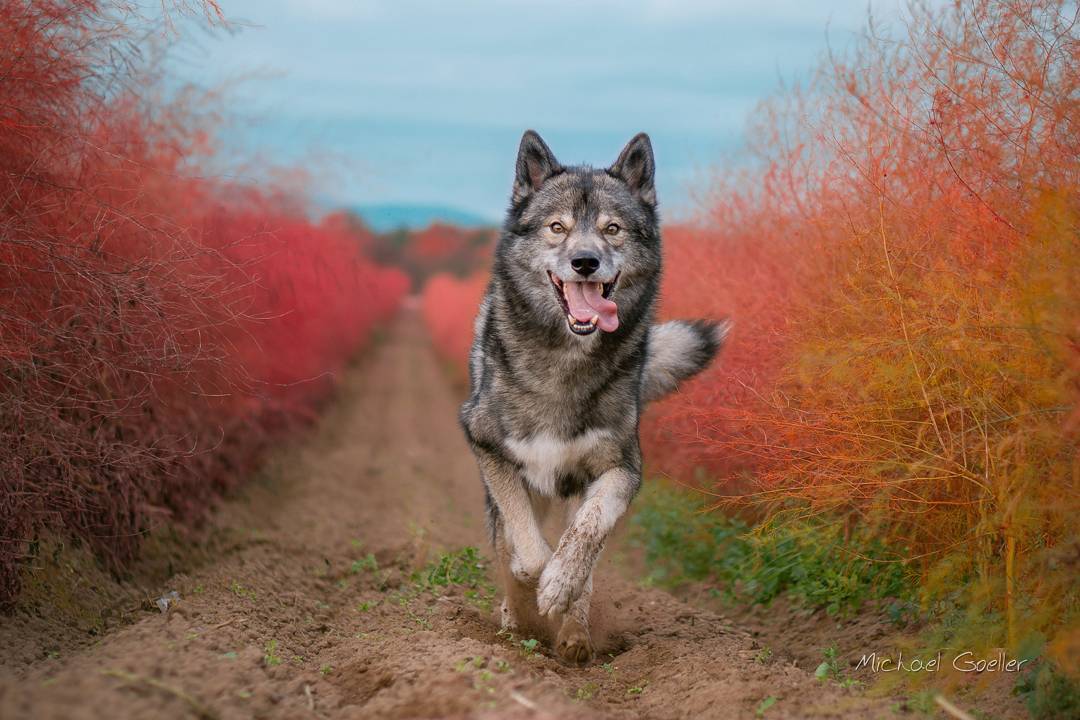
637	168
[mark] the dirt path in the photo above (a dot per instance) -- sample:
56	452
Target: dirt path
294	619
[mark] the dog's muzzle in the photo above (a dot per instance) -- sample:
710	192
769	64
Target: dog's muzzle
587	304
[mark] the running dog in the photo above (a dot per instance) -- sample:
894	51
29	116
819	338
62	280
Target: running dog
565	356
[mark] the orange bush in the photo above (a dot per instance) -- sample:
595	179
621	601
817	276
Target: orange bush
152	323
916	227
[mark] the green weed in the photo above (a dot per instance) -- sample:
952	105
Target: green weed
462	567
829	669
465	569
240	591
367	563
270	654
765	705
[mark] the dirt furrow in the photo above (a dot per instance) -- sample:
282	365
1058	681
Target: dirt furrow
323	609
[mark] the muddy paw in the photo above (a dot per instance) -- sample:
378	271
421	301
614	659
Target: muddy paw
560	585
574	647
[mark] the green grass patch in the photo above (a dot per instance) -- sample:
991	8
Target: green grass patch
465	569
809	561
368	563
462	567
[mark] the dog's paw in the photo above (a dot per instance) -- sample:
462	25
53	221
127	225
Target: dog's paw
528	562
574	646
560	585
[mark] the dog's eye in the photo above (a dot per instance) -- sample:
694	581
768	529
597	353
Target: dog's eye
611	229
557	228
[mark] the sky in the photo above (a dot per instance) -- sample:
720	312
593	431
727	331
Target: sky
425	102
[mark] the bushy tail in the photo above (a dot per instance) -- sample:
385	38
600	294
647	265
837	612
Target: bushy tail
678	350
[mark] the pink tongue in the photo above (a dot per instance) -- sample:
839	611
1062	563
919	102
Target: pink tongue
585	300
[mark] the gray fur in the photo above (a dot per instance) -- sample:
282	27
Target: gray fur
553	413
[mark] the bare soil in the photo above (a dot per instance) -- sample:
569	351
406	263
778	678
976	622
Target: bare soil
282	615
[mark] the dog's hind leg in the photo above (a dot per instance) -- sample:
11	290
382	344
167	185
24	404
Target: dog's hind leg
515	592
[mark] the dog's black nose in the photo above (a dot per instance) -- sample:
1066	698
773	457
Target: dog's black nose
585	264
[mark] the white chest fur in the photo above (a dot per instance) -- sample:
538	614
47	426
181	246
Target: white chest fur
546	457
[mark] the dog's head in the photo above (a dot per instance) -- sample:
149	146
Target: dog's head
583	244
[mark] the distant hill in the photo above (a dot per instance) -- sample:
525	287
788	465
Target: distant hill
383	218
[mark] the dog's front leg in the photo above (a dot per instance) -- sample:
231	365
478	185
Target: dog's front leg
567	573
529	551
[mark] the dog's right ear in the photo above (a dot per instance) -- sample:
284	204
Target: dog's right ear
535	164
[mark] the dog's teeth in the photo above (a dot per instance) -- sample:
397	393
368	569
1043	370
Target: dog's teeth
594	319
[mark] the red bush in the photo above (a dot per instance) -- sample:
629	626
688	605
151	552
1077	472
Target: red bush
736	276
449	307
151	322
443	248
306	297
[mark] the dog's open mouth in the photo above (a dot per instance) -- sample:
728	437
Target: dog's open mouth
587	305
